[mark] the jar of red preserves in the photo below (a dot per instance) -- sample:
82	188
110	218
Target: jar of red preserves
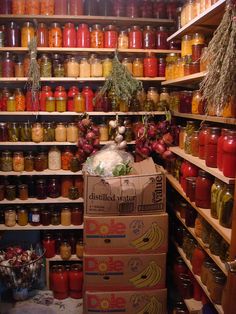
12	35
161	67
213	135
32	100
171	7
159	9
149	40
76	7
221	139
8	65
96	37
110	37
179	268
202	137
60	92
191	188
75	281
49	246
73	91
146	9
135	37
91	7
76	216
198	258
60	7
119	8
69	35
132	9
150	65
204	182
83	36
45	92
88	95
161	38
42	35
195	144
229	155
60	283
187	170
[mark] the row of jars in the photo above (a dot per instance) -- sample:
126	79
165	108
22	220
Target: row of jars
54	159
217	146
132	8
66	280
36	216
192	8
192	45
84	36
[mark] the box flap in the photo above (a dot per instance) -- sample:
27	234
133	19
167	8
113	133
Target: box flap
146	166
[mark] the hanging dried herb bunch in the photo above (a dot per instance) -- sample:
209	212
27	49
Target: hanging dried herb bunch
219	85
33	83
120	82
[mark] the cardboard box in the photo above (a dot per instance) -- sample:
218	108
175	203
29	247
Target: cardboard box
142	192
126	302
126	234
124	272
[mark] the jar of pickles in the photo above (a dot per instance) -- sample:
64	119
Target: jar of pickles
45	66
128	64
48	132
6	161
13	132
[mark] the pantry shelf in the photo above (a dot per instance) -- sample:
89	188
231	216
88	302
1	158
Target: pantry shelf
204	22
40	227
46	172
53	143
215	258
90	113
193	306
201	164
205	213
73	79
58	200
204	288
58	258
186	80
205	118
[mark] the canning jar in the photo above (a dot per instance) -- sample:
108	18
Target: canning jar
20	99
135	37
29	162
145	9
42	35
60	282
76	216
18	162
195	101
12	38
22	217
190	215
75	164
8	65
159	9
73	68
66	182
84	68
83	36
73	192
65	250
191	188
118	8
55	35
37	132
137	67
23	191
218	288
79	103
226	206
194	144
10	217
150	64
123	40
69	35
221	139
91	7
190	128
75	281
41	189
13	132
18	7
34	216
110	36
76	7
88	95
56	220
211	146
203	189
216	188
96	37
60	132
58	70
106	67
26	66
27	34
53	188
132	9
149	40
185	104
70	99
161	38
185	286
32	7
11	104
128	64
189	11
198	258
54	158
72	133
161	67
39	163
10	192
79	249
186	45
49	246
202	141
229	155
19	69
103	131
3	132
66	216
96	67
187	170
45	66
43	95
66	156
152	94
47	7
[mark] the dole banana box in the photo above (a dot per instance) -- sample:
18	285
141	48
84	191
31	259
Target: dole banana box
139	193
126	302
124	272
126	234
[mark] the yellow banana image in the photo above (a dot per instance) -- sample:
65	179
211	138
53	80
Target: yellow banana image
152	307
150	240
149	277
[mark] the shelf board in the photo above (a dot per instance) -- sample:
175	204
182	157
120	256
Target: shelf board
205	118
186	80
215	258
58	258
203	22
91	113
201	164
48	200
204	288
193	306
87	19
46	172
40	227
73	79
52	143
205	213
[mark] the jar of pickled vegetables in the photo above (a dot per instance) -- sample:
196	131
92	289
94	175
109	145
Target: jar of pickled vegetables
65	250
20	99
74	167
69	35
72	133
58	70
96	67
47	7
106	67
18	162
152	94
6	161
61	7
135	37
48	132
186	45
132	9
96	37
66	157
137	67
54	158
25	132
73	190
12	37
27	34
37	132
226	206
32	7
196	101
85	68
55	35
123	40
216	189
45	66
22	214
79	103
190	128
60	132
13	132
29	162
19	69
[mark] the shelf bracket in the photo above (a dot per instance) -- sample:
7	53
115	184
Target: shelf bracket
231	266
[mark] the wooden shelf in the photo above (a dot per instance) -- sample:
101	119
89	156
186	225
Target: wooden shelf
215	258
52	143
91	113
105	20
205	22
205	213
188	80
46	172
40	227
48	200
201	164
58	258
73	79
204	288
193	306
205	118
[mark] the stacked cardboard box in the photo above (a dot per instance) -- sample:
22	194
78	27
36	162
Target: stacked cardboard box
126	237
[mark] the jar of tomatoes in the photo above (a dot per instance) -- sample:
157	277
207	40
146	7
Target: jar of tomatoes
146	9
96	37
132	9
12	35
88	95
75	281
69	35
49	246
161	38
213	135
135	37
55	35
187	170
70	99
229	154
110	36
204	182
60	282
83	36
149	40
202	141
150	64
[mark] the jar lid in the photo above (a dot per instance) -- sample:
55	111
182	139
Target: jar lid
28	24
61	98
22	186
34	209
187	37
55	24
161	28
6	153
3	124
11	187
214	130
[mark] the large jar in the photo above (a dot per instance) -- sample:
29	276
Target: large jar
229	155
123	40
20	99
218	288
11	104
96	37
83	36
12	35
60	282
216	188
189	11
49	246
43	95
202	141
55	36
27	34
73	91
45	66
91	7
53	188
60	132
72	133
110	37
135	37
194	144
150	64
161	38
66	157
10	192
203	189
159	9
84	68
186	45
69	35
66	216
73	68
18	162
226	206
19	69
61	7
187	170
76	281
42	35
6	161
66	182
190	128
152	94
128	64
197	260
221	139
54	159
79	103
149	40
132	9
119	8
32	7
211	146
96	67
145	9
76	7
41	189
37	132
88	95
47	7
8	65
22	217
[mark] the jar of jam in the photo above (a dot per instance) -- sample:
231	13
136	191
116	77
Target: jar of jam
13	132
41	189
149	40
185	104
65	250
96	37
137	67
34	216
54	158
55	36
22	216
10	217
135	37
23	191
12	35
29	162
229	155
42	35
6	7
202	141
32	7
79	183
132	9
8	65
53	188
123	40
60	132
69	35
146	7
110	37
27	34
76	216
213	135
88	95
150	64
49	246
161	38
161	67
45	217
203	189
83	36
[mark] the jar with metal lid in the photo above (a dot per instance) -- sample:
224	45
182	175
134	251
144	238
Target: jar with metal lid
60	132
18	7
18	161
189	11
194	143
22	216
61	104
55	36
83	36
2	196
41	189
103	131
216	188
10	217
27	34
66	156
73	68
79	103
79	249
29	162
69	35
65	250
48	132
10	192
54	158
203	60
88	95
185	105
50	104
32	7
49	246
34	216
73	193
45	217
123	40
229	154
185	286
217	288
128	64
75	164
85	68
39	163
96	37
161	38
135	37
66	216
150	64
76	216
61	7
11	104
73	91
137	67
164	95
8	65
3	132
161	67
225	210
13	132
56	218
190	128
58	70
205	270
42	35
211	146
72	133
110	36
37	132
59	282
159	9
53	188
12	35
106	67
195	101
149	40
132	9
96	67
6	161
19	69
23	191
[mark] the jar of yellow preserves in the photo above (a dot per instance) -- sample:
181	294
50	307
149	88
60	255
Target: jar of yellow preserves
106	67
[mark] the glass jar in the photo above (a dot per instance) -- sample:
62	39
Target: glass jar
203	189
54	158
11	104
76	216
110	36
48	132
79	103
83	36
229	155
18	162
49	246
72	133
150	64
27	34
73	193
42	35
13	132
50	104
60	282
197	51
69	35
79	249
10	217
61	104
60	132
66	182
145	9
56	219
88	95
159	9
202	141
161	38
216	188
29	162
149	40
195	101
190	128
185	104
226	206
103	132
203	60
132	9
217	288
32	7
58	70
34	216
73	91
106	67
187	170
3	132
96	67
182	136
75	164
96	37
12	35
53	188
8	65
45	217
66	216
45	66
189	11
65	250
66	156
191	188
186	45
152	94
76	281
20	99
22	217
76	7
128	64
41	189
194	144
61	7
47	7
135	37
190	216
39	163
161	67
19	69
84	68
213	135
10	192
55	36
137	67
37	132
123	40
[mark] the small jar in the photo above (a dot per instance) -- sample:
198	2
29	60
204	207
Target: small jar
79	249
137	67
53	188
123	40
65	250
45	217
18	162
72	133
66	217
135	37
54	158
76	216
66	182
60	133
73	193
23	192
103	132
10	193
10	217
73	68
34	216
66	157
41	189
58	70
37	132
22	217
27	34
96	37
56	218
84	68
55	36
